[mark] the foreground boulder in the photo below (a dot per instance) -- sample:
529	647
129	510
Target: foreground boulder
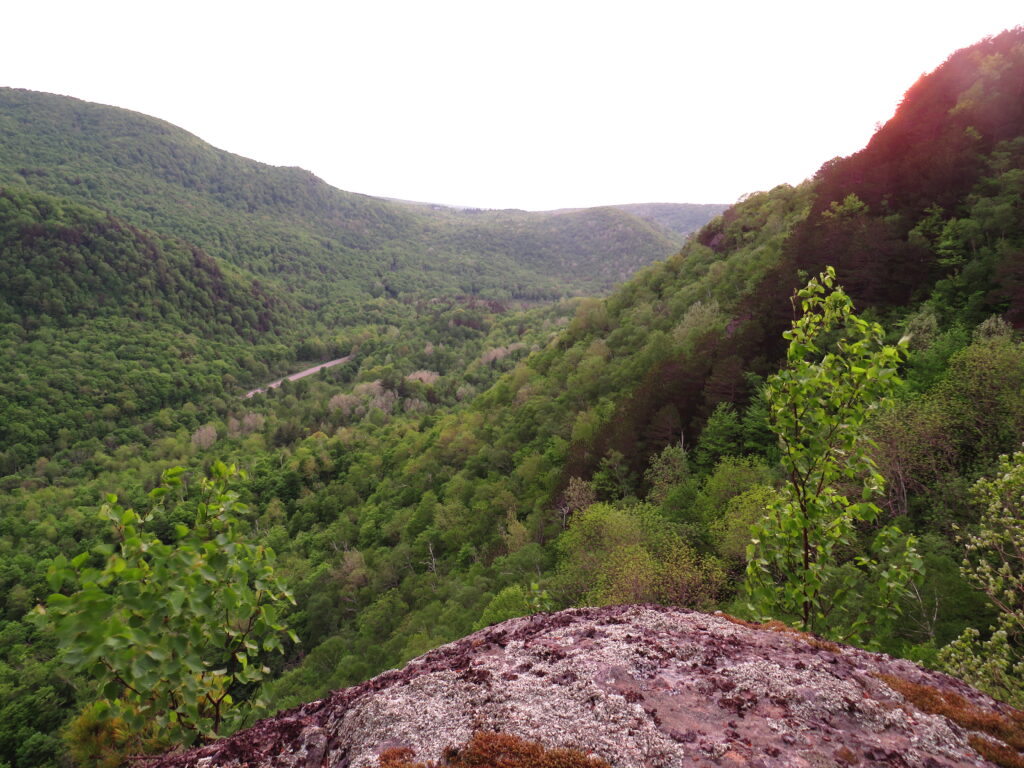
642	686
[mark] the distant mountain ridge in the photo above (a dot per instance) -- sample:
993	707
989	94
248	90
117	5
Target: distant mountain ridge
681	218
288	225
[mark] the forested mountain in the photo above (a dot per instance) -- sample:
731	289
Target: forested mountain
287	226
476	464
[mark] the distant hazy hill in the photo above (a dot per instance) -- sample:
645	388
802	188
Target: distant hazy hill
289	226
681	218
606	242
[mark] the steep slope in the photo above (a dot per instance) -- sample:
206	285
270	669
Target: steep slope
480	494
642	686
285	224
953	150
928	213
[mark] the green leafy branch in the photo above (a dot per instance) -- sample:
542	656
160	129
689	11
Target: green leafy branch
173	633
838	371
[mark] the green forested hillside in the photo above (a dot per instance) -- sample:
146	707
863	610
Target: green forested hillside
564	245
64	261
118	226
287	226
102	325
474	464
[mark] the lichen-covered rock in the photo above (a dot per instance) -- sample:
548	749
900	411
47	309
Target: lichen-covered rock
642	686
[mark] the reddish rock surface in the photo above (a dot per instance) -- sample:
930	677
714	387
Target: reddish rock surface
636	686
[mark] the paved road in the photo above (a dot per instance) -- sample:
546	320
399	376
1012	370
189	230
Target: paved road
299	375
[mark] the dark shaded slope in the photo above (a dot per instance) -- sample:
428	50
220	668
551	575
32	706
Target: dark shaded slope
102	323
937	212
952	236
934	148
937	215
927	160
64	264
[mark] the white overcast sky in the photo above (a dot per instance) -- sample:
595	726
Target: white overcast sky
520	104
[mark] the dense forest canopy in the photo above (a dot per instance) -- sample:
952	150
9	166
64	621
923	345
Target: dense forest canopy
479	459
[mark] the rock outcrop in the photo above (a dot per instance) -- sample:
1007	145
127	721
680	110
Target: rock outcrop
643	686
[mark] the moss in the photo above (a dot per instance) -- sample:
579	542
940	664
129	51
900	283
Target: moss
777	626
495	750
845	756
95	739
1006	730
997	753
